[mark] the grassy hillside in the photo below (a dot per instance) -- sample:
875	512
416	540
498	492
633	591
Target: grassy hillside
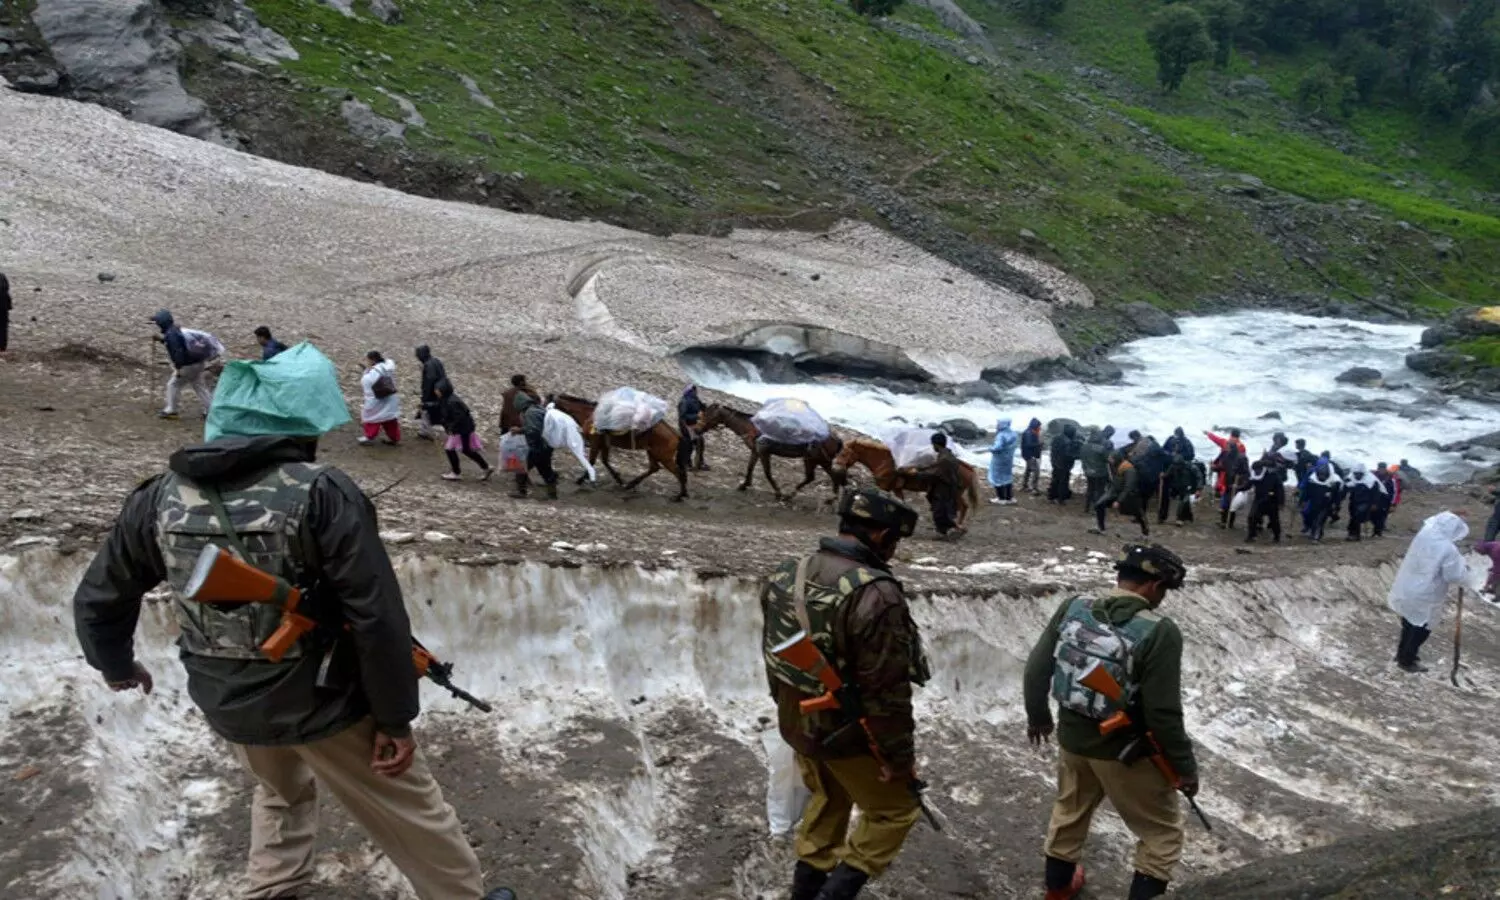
674	114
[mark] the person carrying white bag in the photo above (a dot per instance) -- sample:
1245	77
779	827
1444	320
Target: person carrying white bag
562	433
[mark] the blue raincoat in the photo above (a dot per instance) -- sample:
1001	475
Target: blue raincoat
1003	455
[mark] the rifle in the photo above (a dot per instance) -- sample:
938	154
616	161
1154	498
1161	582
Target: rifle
1458	633
800	651
221	577
1097	678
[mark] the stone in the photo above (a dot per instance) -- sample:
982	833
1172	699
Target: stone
1272	415
1250	84
408	109
1363	376
106	277
398	537
972	60
979	390
1027	234
235	29
386	11
344	6
770	185
1489	441
28	515
1151	321
41	83
436	537
1438	335
477	95
963	430
1435	362
364	123
1055	427
1446	247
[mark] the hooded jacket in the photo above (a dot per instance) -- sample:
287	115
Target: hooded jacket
1432	563
1364	490
533	423
1065	448
172	338
1267	482
452	412
1179	445
258	701
1031	440
1003	455
433	374
1095	453
1322	485
689	407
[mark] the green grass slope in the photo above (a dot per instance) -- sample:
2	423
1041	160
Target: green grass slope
675	114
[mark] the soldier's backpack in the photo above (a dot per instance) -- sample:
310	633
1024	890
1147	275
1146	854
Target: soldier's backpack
201	345
797	604
1084	640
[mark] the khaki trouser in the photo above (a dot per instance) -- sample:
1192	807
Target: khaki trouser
887	812
196	379
1138	793
405	817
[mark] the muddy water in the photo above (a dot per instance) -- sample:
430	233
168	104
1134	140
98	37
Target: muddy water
626	756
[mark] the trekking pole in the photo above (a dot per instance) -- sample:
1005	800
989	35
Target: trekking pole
1458	630
405	475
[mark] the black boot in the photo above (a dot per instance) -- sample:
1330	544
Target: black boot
807	881
1144	887
844	883
501	894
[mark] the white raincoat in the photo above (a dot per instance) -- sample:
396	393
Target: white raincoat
379	409
561	433
1432	563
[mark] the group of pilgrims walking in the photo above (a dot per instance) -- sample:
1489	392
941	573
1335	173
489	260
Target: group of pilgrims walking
1140	474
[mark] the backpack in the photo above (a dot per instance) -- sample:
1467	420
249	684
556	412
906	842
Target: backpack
797	604
1151	463
201	345
1084	640
384	386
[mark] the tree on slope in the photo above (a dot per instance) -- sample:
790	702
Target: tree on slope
1040	12
1223	18
1178	35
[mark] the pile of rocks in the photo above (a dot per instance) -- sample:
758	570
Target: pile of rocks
1442	355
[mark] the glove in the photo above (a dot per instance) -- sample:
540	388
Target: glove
1188	786
1039	733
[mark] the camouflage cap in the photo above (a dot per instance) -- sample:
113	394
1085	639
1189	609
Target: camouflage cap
1154	560
877	508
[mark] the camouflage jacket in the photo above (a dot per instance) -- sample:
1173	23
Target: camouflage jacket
877	639
1158	668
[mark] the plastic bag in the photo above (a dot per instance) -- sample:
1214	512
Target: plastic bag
201	345
629	410
513	453
1240	501
912	448
790	421
296	392
786	795
561	433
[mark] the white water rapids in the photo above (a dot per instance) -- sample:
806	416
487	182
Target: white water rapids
1220	372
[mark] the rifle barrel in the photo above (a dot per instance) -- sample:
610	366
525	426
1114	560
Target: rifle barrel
1199	810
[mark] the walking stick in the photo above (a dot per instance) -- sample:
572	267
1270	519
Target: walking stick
1458	630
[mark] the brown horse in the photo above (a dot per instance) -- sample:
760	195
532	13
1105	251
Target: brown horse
877	457
659	443
813	456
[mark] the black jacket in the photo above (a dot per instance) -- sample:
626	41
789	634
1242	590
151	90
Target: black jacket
432	373
176	343
1065	450
455	416
259	701
4	293
689	408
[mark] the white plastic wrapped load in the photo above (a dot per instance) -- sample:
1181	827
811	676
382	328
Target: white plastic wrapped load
629	410
561	433
912	448
790	421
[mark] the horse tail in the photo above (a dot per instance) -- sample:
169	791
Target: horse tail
972	488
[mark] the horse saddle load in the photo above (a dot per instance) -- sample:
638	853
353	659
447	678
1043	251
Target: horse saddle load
628	411
787	420
911	448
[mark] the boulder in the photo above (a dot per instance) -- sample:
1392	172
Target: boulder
1150	320
386	11
123	50
1438	335
1490	441
1479	323
1273	414
1055	427
979	390
1436	362
364	123
963	430
1364	376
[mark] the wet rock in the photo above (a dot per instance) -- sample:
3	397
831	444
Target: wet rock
398	537
122	50
1438	335
1364	376
409	111
963	429
233	28
45	82
1055	427
1273	414
1436	362
386	11
1490	441
364	123
106	277
979	390
28	515
1150	320
1446	248
477	95
344	6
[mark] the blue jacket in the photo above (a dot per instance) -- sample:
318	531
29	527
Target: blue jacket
171	335
1031	440
1003	455
271	348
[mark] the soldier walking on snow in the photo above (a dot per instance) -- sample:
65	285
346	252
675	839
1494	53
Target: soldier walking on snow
334	712
1142	650
847	601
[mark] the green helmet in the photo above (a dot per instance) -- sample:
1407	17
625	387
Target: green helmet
877	508
1155	560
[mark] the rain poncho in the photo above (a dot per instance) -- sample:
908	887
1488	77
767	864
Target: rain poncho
912	448
561	433
378	409
1003	455
1432	563
629	410
790	421
294	393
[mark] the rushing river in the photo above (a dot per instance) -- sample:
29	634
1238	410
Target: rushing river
1220	372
